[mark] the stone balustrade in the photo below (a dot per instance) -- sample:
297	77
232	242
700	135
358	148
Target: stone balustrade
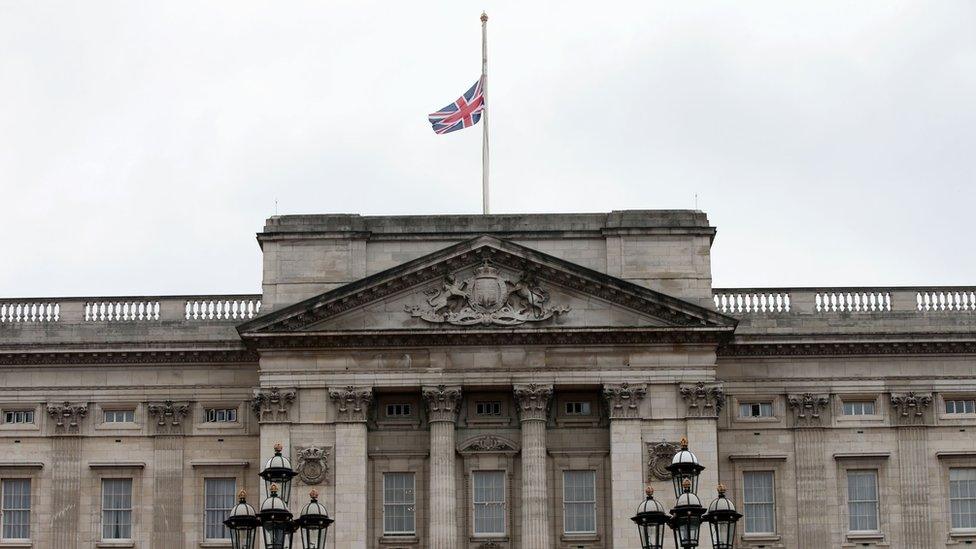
746	302
143	309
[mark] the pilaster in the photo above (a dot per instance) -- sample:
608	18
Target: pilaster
910	414
626	470
809	418
703	402
66	472
351	406
532	401
442	410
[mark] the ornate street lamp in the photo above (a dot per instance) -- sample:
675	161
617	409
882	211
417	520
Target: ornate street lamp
314	523
651	519
276	521
686	518
242	523
278	471
685	466
721	518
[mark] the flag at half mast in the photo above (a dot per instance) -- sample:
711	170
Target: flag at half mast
464	112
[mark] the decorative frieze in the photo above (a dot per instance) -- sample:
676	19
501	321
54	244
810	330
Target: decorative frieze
659	455
808	408
442	402
532	401
313	463
352	403
67	416
909	408
703	400
272	405
623	399
169	416
488	444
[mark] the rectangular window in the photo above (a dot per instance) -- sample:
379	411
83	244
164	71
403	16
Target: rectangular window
120	416
15	507
117	508
218	495
399	509
962	498
759	502
960	406
18	416
221	415
488	408
397	410
578	408
756	409
862	500
865	408
489	502
579	502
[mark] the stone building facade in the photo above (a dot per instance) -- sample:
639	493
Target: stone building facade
504	381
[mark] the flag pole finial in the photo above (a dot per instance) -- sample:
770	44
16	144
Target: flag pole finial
484	17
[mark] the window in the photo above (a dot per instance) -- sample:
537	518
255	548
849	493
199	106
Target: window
18	416
218	495
15	504
488	408
962	498
756	409
860	408
397	410
120	416
221	415
117	508
399	511
489	502
578	408
759	501
862	500
579	502
960	406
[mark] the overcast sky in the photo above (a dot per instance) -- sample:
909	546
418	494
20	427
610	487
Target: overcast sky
144	143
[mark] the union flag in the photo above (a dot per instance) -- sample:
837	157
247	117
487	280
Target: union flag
462	113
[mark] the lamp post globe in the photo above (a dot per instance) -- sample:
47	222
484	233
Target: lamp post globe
686	518
685	466
721	518
314	523
651	519
278	471
276	521
243	523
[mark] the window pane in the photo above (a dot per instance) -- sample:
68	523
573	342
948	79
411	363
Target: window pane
488	494
398	503
862	498
117	508
579	502
759	502
218	495
15	508
962	497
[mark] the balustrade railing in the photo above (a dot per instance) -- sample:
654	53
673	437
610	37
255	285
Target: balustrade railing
29	311
193	309
834	301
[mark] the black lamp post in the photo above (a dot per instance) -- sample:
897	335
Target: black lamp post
721	518
274	518
651	519
278	471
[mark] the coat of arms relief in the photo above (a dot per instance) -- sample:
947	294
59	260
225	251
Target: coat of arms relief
487	298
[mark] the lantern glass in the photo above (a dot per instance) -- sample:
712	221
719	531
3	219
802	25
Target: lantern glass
685	471
242	538
314	537
686	530
278	471
278	535
723	534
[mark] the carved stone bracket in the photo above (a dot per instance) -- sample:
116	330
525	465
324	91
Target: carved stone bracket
482	444
67	416
623	399
352	403
442	402
703	400
659	455
169	416
808	408
272	405
313	463
909	408
532	401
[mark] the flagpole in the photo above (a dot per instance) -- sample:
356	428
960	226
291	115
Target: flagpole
484	112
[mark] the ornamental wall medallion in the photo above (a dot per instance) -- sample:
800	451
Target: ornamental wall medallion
659	456
313	463
486	298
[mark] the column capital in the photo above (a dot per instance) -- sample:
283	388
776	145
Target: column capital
808	408
352	403
623	399
169	416
272	405
703	400
442	402
67	417
909	408
532	401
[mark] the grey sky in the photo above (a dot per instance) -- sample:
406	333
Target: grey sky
144	143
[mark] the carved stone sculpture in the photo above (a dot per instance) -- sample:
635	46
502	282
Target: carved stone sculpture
442	402
532	401
486	298
487	443
169	415
910	407
352	403
67	416
659	455
623	399
703	400
808	408
272	405
313	463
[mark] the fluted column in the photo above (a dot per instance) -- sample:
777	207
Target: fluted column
442	407
532	401
626	471
351	405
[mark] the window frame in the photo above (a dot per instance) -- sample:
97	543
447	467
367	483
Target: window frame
232	501
854	404
115	411
103	509
956	400
406	409
745	503
592	504
495	404
751	404
15	411
4	510
971	530
410	506
876	501
502	505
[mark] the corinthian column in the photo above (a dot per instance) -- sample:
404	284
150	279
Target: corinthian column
351	406
532	401
626	471
442	406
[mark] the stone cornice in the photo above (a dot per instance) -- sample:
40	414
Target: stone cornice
848	347
352	403
623	399
442	403
532	401
45	356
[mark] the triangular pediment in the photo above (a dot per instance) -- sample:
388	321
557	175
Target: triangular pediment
486	285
